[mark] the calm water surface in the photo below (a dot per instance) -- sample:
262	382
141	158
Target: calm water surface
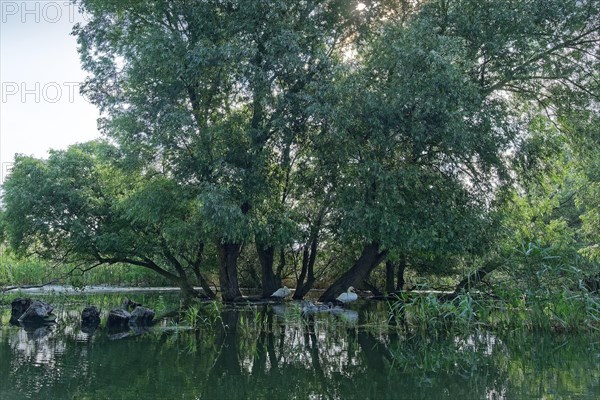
271	352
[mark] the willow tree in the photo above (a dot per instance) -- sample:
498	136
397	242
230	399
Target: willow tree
427	120
216	93
87	207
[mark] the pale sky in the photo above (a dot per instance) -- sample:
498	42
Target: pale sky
40	105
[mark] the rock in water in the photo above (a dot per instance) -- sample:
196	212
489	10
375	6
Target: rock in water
90	316
118	318
129	304
38	312
18	308
142	316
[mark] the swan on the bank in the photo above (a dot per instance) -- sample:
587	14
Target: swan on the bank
282	293
348	296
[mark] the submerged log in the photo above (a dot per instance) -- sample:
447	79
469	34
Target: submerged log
39	312
118	319
18	308
90	318
142	316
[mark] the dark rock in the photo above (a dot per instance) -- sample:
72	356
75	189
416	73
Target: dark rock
118	318
18	308
38	312
142	316
90	317
129	304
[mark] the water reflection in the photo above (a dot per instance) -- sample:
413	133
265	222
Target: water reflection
272	352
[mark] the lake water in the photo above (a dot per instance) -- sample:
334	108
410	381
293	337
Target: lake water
272	352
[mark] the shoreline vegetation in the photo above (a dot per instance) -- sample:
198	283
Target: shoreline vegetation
418	313
428	145
558	304
439	160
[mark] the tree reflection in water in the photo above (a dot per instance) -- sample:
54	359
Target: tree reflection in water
259	352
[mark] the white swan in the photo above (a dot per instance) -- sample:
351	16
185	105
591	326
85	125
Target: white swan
282	293
348	296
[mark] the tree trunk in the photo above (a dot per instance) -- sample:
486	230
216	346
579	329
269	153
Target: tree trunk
187	291
205	286
389	277
281	264
228	256
270	281
401	268
199	276
370	258
306	280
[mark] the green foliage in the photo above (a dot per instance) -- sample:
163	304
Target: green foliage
558	311
445	133
427	315
582	125
545	230
79	208
203	316
14	271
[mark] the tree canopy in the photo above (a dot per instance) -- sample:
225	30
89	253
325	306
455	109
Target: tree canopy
395	130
